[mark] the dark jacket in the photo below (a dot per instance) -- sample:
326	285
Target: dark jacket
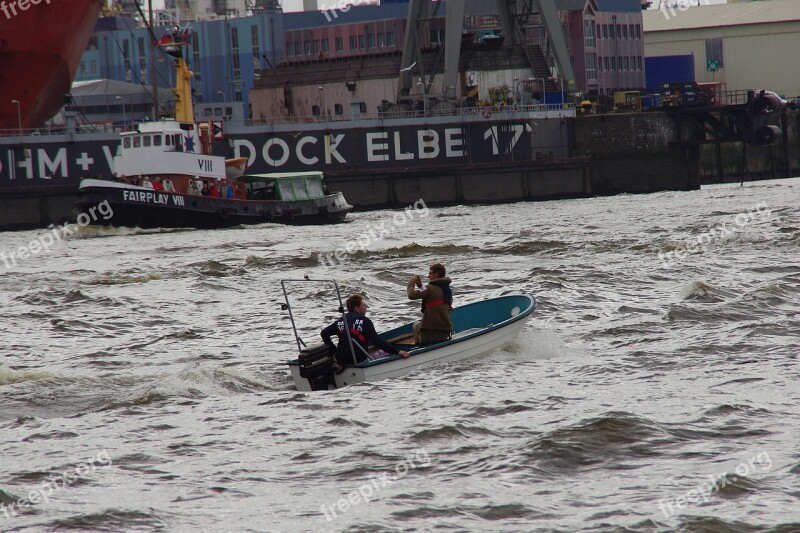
437	305
362	331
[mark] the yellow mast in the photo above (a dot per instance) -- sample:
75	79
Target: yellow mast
184	111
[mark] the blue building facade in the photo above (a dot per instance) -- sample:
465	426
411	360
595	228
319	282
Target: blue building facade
227	56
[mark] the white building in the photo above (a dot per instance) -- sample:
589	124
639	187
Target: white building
752	44
197	10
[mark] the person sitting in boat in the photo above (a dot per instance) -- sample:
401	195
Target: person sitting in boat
214	190
206	190
158	185
362	333
146	183
437	304
229	191
168	186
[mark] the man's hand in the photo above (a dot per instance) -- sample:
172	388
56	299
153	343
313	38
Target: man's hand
404	354
416	280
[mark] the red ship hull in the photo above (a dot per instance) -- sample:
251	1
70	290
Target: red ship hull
40	50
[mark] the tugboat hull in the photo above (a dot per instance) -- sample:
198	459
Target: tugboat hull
132	206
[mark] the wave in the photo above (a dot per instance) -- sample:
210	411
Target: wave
699	291
109	520
93	232
125	279
598	443
450	433
529	247
10	377
195	382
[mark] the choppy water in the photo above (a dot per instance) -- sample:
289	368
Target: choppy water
641	397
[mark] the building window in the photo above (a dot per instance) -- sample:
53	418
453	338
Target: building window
361	42
315	110
714	51
624	31
371	40
338	109
597	31
619	31
339	43
353	43
591	66
638	62
605	31
315	46
630	30
605	64
627	63
588	34
290	49
390	38
307	47
638	31
381	40
298	48
256	52
613	63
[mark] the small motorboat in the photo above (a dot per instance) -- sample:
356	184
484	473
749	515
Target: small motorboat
479	328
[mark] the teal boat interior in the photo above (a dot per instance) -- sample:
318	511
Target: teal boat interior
469	321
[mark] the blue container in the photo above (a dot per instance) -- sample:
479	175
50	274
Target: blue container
668	69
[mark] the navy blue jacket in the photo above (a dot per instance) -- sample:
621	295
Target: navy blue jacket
362	331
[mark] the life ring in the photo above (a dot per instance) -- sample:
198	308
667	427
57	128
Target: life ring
487	112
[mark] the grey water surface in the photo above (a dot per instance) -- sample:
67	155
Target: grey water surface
143	384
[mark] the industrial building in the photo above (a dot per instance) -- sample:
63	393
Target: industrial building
229	54
746	45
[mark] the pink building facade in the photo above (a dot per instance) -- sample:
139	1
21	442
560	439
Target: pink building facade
606	48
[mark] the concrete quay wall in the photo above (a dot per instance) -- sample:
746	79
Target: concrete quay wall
636	153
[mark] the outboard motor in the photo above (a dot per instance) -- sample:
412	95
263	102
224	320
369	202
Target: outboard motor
316	365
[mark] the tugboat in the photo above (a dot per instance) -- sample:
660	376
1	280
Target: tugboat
167	177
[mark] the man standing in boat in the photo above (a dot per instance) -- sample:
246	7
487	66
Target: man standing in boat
437	304
362	333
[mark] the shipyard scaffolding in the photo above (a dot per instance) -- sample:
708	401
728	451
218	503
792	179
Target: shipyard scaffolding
532	25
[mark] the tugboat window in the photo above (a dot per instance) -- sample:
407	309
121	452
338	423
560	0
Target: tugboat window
127	142
157	140
315	189
300	192
169	139
146	141
137	142
287	193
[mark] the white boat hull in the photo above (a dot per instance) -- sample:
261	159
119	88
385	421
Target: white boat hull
474	346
